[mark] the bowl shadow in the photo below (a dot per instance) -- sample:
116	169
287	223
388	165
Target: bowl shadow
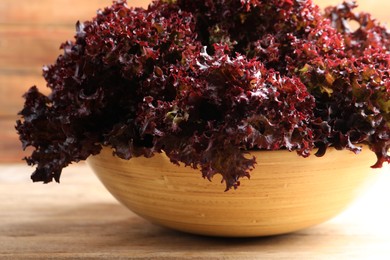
109	229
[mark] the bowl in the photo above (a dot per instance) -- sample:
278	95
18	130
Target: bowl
285	193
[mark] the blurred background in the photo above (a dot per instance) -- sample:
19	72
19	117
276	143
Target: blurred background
31	32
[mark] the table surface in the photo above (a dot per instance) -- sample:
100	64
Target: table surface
80	219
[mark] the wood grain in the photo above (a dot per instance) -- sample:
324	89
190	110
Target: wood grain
31	32
10	146
78	219
53	12
15	85
27	49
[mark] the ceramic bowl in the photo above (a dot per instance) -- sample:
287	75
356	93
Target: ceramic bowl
285	193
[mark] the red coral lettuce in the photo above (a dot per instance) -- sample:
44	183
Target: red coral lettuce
207	81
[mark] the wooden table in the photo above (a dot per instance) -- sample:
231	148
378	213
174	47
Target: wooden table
79	219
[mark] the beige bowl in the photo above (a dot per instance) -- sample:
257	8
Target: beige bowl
285	193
